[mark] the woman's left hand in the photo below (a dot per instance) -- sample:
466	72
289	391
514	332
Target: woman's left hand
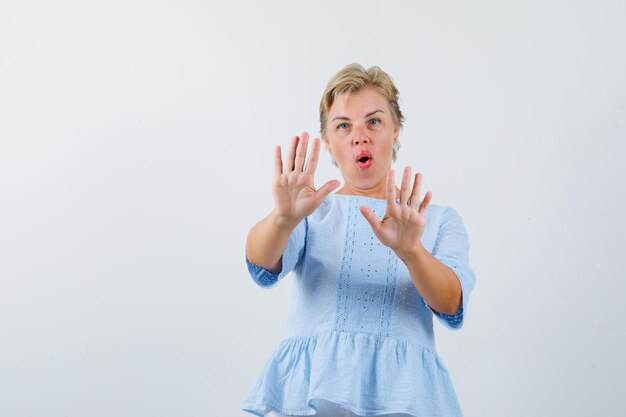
402	225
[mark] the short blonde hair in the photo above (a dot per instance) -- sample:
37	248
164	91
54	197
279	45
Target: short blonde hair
351	79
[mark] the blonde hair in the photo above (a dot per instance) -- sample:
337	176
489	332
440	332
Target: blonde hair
351	79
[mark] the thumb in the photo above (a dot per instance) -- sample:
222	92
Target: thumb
371	218
326	189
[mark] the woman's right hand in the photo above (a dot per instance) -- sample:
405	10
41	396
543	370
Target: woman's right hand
293	187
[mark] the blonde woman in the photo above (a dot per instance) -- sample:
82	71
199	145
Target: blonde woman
372	264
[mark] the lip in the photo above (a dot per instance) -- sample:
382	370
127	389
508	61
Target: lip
363	154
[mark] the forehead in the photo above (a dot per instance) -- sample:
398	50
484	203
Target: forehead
359	103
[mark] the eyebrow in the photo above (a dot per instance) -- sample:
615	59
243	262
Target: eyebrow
366	116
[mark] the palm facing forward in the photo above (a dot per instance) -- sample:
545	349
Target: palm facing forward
402	225
293	186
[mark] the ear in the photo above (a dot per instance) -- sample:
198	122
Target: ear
327	145
396	133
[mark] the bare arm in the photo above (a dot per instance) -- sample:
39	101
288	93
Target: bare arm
401	229
295	197
267	241
438	284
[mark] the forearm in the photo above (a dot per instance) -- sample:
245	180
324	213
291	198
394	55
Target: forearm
267	241
437	284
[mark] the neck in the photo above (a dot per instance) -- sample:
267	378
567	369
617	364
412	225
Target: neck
379	191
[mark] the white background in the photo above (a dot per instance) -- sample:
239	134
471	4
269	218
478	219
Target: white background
136	142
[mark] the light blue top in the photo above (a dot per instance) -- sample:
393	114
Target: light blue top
359	334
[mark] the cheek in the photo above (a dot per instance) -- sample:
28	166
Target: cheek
338	146
385	143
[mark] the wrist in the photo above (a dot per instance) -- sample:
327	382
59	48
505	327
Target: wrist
413	255
284	223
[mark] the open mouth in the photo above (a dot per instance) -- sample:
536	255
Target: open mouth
364	159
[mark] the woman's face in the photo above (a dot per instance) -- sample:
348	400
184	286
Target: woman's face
360	134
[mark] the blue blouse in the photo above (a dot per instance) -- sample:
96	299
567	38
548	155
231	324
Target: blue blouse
359	334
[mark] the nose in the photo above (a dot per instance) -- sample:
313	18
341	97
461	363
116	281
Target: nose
359	136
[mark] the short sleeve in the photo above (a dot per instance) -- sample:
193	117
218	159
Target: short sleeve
452	249
290	259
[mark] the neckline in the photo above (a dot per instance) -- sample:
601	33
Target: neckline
358	196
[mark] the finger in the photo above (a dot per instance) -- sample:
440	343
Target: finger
311	164
326	189
405	189
371	218
424	205
415	194
291	154
278	161
391	189
301	152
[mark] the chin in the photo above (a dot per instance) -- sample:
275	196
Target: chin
367	184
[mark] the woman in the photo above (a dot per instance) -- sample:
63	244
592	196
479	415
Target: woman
372	265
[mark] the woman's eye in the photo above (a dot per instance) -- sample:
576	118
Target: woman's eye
342	126
374	122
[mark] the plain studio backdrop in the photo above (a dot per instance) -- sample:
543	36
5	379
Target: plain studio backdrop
136	152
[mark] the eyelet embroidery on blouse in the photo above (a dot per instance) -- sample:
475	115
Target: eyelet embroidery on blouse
390	290
453	319
346	262
367	280
261	275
